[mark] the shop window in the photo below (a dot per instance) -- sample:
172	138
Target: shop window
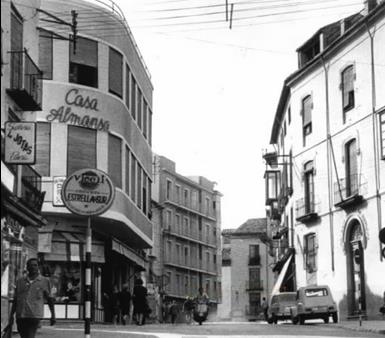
115	78
46	53
43	148
83	68
81	149
115	159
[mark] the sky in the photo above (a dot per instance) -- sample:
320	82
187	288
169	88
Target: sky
216	89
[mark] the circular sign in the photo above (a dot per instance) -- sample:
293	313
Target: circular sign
88	192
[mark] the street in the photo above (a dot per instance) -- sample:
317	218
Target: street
212	330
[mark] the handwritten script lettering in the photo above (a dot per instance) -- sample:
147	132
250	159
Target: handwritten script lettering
74	98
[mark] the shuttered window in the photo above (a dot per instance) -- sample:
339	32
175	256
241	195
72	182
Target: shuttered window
348	88
128	76
133	177
46	54
133	97
115	160
139	112
115	78
84	62
43	148
127	172
81	149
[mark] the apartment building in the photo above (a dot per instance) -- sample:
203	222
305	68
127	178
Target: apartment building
246	273
325	187
95	111
187	253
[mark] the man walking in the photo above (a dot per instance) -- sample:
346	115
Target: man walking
28	302
265	307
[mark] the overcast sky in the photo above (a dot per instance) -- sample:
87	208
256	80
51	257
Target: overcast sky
216	89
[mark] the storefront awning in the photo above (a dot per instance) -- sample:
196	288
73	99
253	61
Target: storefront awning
66	246
281	276
127	252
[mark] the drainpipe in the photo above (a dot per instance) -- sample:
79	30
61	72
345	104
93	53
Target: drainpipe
375	135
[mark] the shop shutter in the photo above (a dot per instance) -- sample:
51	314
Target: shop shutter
115	160
81	151
115	79
43	148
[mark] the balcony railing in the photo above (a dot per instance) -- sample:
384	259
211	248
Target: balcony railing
306	210
255	284
26	81
349	191
31	194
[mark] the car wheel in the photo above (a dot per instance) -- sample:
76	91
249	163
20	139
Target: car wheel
294	320
335	317
301	320
326	319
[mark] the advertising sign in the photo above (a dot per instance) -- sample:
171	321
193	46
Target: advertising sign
20	142
58	182
88	192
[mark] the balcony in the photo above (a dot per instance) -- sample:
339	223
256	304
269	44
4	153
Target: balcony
31	194
254	285
306	210
254	260
348	193
26	81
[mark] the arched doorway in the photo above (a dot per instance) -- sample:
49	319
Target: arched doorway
356	270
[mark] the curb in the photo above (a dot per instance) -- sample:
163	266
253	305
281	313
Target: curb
361	329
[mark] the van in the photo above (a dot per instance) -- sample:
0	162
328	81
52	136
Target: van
281	307
314	302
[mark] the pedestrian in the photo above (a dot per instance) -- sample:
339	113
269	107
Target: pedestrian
28	303
164	311
115	307
265	307
174	310
188	308
140	302
125	303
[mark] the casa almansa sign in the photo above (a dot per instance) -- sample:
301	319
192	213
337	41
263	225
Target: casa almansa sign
74	99
88	192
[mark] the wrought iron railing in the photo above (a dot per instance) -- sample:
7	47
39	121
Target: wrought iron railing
347	187
305	206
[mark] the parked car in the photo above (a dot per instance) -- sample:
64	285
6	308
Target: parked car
281	307
314	302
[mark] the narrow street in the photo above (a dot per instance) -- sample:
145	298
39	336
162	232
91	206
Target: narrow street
212	330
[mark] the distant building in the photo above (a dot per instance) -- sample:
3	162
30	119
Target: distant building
325	183
246	271
187	224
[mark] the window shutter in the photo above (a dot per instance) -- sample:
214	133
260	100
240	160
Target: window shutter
86	52
115	159
115	78
81	151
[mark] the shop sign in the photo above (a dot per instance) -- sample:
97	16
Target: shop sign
20	142
88	192
58	182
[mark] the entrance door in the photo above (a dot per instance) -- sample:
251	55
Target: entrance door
357	272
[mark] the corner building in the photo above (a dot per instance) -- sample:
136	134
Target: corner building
96	113
187	249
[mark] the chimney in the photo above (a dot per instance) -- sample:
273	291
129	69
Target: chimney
369	6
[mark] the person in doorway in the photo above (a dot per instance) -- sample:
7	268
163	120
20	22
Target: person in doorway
265	307
28	303
125	303
115	305
140	302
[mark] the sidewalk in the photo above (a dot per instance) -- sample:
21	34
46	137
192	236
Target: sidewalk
374	326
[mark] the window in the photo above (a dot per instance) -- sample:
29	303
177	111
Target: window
347	88
382	133
115	160
289	115
133	97
149	126
310	253
144	193
43	148
127	94
139	187
115	73
133	177
307	106
178	253
351	168
81	149
84	62
177	224
186	226
127	173
16	46
186	256
186	197
149	183
145	118
168	189
168	219
207	233
254	258
139	112
207	205
309	187
177	193
46	53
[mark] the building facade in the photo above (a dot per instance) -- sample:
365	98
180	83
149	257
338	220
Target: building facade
96	112
187	252
21	186
325	183
246	271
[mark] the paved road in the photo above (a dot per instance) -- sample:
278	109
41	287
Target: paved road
207	330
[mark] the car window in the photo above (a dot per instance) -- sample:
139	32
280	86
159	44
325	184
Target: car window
319	292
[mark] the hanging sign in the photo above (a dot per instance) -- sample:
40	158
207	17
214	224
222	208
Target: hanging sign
20	142
88	192
57	186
